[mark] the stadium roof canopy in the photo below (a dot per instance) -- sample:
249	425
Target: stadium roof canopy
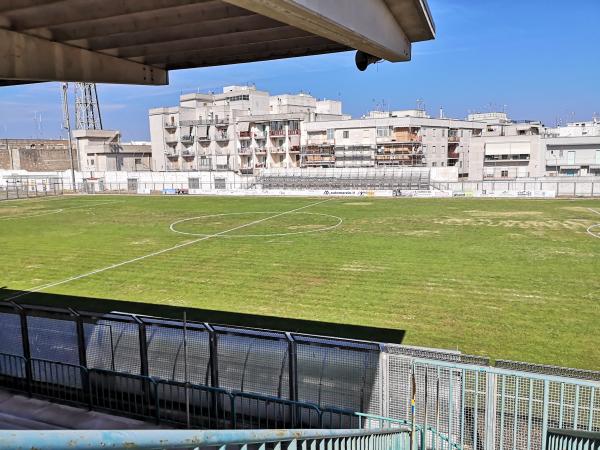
139	41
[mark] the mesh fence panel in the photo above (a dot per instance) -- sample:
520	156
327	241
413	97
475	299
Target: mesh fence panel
10	334
253	361
113	345
338	373
53	339
166	354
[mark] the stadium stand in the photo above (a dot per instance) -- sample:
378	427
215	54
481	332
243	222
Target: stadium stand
414	178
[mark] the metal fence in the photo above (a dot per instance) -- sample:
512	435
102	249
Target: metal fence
13	191
572	440
560	187
136	365
396	439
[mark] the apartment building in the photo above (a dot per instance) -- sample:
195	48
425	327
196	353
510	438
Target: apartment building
506	149
382	139
240	129
103	150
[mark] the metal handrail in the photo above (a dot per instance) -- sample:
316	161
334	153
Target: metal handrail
420	429
183	439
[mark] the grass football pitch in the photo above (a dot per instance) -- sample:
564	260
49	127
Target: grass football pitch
511	279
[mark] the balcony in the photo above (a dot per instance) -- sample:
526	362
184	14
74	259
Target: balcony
188	154
203	139
453	139
295	132
260	151
170	125
220	137
187	139
171	154
260	135
277	133
247	170
171	139
401	139
246	135
245	151
295	149
277	150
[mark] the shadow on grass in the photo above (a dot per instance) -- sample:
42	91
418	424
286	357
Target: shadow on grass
102	305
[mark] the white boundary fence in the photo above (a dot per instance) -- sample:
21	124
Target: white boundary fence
557	187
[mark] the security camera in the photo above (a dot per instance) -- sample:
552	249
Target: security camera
364	60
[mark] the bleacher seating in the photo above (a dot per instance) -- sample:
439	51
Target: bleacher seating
368	179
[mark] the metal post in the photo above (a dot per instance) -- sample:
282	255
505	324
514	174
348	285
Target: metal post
85	379
413	416
293	376
185	371
26	347
67	126
545	414
144	371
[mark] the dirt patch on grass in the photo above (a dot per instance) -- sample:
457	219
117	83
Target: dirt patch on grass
477	213
419	233
309	226
357	266
574	224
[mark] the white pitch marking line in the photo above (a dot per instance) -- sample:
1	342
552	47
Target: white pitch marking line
159	252
325	228
592	227
56	211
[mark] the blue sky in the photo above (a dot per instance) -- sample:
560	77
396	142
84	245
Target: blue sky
539	59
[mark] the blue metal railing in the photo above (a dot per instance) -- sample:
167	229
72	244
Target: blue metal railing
427	437
392	439
572	440
163	401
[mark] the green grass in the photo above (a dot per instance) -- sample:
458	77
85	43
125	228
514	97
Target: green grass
513	279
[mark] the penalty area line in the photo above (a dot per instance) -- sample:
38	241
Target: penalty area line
156	253
593	227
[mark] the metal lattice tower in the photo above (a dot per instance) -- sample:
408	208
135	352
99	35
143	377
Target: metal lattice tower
87	108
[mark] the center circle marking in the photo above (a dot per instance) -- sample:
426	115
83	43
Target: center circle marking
173	226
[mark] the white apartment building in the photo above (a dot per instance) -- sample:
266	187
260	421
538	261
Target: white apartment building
507	149
572	156
577	129
241	129
103	150
381	139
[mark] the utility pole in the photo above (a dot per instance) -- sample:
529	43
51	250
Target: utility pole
67	126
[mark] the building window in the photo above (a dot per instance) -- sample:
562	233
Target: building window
220	183
383	132
570	157
346	134
433	164
138	161
91	162
330	134
504	174
194	183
